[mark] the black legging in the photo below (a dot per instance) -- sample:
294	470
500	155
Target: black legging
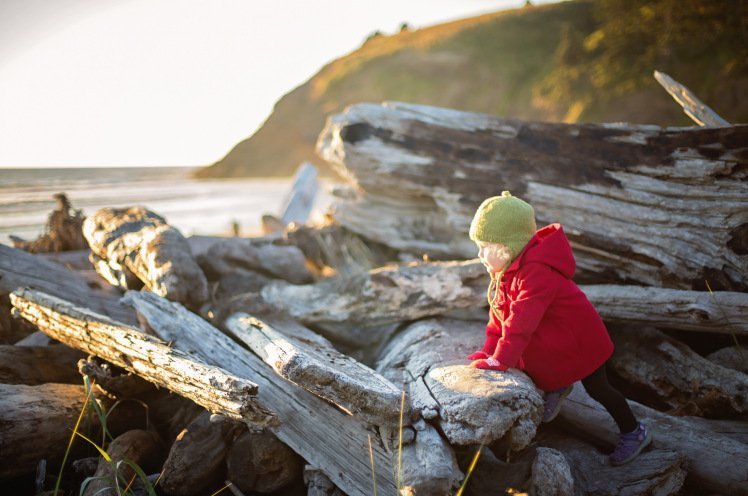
600	390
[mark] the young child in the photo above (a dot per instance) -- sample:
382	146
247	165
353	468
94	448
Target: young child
540	321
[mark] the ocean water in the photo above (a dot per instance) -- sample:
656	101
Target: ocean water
194	206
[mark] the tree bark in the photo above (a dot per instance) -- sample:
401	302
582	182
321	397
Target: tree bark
39	365
35	423
678	377
154	360
21	269
657	206
716	462
470	406
318	431
311	362
137	241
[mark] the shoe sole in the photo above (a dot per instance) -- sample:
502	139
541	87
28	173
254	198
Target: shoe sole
647	441
558	406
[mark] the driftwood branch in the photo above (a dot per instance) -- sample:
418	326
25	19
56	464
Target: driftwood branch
146	356
692	106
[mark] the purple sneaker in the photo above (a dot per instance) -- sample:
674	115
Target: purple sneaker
630	445
553	401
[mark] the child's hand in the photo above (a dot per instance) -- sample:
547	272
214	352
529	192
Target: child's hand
489	363
477	355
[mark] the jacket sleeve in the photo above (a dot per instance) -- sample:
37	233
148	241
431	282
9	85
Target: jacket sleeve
493	333
536	290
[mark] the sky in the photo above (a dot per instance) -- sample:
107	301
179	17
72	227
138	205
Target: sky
91	83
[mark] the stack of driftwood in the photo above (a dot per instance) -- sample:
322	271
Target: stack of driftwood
330	359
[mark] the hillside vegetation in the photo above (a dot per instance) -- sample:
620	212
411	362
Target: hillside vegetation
576	61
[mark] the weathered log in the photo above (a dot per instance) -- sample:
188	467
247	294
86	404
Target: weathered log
259	462
36	338
39	364
654	472
142	448
74	260
318	431
721	311
62	231
731	357
470	406
20	269
715	462
300	199
658	206
311	362
550	474
692	106
144	244
154	360
318	484
277	261
35	423
678	377
196	458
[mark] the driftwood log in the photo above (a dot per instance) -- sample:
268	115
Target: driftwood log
654	472
658	206
136	242
470	406
318	484
21	269
682	380
715	462
692	106
258	462
154	360
33	365
311	362
35	424
732	357
318	431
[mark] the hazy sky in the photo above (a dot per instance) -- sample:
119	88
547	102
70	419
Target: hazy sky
171	82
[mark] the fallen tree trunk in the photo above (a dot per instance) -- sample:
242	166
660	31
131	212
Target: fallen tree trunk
658	206
715	462
311	362
135	241
33	365
721	311
677	376
154	360
21	269
470	406
35	423
318	431
654	472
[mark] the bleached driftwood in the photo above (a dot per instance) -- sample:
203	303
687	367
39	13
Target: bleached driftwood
716	462
677	376
318	484
471	406
658	206
732	357
154	360
429	465
137	241
311	362
32	365
550	474
299	202
692	106
35	423
277	261
721	311
21	269
257	462
654	472
140	447
318	431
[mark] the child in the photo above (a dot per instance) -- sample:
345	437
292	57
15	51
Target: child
540	321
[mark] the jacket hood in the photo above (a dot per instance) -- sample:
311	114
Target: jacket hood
548	246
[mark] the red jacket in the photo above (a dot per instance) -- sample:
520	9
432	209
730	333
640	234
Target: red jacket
550	329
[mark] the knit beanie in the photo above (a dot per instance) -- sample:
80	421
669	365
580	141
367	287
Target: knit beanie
504	219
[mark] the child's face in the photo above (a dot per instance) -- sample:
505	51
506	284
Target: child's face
494	256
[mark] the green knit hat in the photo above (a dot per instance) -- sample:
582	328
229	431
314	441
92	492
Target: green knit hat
504	219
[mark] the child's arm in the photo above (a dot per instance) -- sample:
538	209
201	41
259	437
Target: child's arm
493	333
